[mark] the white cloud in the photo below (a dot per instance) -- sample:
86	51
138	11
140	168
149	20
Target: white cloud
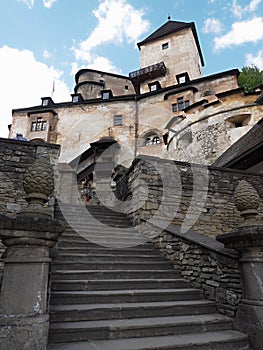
30	3
47	55
48	3
239	10
118	21
213	25
255	60
24	81
240	33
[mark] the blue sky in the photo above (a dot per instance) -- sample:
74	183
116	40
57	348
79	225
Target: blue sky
42	41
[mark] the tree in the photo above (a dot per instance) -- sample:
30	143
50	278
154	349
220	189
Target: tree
250	77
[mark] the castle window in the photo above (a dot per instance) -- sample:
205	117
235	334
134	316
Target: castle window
152	139
126	87
39	125
182	78
75	99
155	140
165	46
180	105
154	86
106	94
117	120
45	102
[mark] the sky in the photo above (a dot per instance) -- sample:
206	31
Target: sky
43	43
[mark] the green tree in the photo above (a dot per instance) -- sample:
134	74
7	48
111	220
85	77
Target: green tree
250	77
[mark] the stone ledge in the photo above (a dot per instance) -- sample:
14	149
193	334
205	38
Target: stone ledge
198	239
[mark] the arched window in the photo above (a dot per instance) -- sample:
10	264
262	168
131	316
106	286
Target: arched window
155	140
151	139
148	141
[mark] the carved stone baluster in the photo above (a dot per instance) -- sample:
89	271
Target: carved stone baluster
248	240
24	320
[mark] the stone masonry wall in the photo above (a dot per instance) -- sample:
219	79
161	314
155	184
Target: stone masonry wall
181	207
204	262
195	197
15	158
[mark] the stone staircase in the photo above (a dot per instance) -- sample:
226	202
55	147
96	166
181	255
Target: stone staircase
122	296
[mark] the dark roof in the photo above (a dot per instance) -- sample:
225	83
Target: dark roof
171	27
242	148
176	88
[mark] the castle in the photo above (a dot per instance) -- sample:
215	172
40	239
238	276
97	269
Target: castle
200	291
167	108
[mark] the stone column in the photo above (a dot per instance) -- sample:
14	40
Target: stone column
248	240
67	190
24	319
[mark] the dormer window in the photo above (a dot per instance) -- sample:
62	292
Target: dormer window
165	46
106	94
76	98
154	86
47	101
182	78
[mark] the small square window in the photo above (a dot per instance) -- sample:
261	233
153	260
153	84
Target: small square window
126	87
182	79
45	102
117	120
165	46
75	99
105	95
153	87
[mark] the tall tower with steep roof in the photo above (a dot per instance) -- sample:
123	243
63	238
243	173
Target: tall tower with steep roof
170	55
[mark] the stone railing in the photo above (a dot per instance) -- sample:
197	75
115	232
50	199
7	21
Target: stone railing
198	197
247	239
15	159
28	236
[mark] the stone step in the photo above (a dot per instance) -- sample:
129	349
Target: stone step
223	340
117	284
107	233
112	274
89	312
92	249
113	241
82	257
81	264
98	220
135	328
124	296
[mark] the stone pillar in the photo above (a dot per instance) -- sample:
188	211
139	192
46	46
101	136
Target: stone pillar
67	190
248	240
24	319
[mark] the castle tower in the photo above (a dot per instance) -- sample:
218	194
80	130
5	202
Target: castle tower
171	55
